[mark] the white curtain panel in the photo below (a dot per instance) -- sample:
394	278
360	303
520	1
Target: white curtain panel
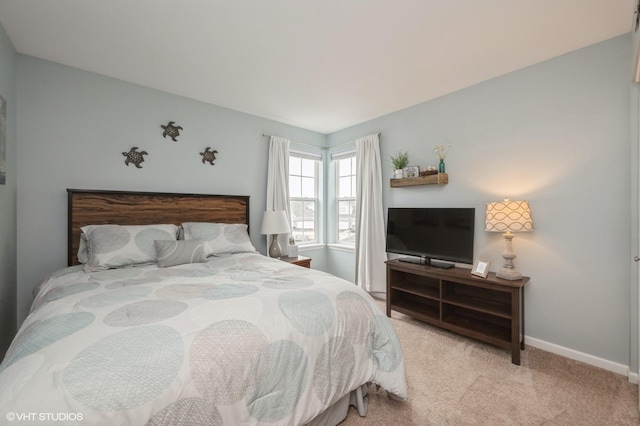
370	237
278	184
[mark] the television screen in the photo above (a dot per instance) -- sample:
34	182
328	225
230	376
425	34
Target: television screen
432	233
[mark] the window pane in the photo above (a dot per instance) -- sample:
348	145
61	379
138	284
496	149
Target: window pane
353	187
346	221
294	165
310	220
344	167
295	186
296	213
303	221
308	167
308	187
344	187
297	220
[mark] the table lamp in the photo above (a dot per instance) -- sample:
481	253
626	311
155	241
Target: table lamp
274	223
508	216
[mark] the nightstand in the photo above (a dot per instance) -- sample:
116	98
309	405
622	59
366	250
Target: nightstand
300	260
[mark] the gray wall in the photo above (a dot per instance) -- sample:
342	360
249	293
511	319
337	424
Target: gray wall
74	126
556	134
8	84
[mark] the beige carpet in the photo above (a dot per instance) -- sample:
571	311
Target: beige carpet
453	380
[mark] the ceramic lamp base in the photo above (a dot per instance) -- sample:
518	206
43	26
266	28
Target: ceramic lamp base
275	250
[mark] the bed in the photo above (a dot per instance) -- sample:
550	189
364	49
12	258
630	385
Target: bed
166	315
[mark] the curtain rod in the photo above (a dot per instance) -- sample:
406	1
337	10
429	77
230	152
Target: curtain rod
348	142
299	143
316	146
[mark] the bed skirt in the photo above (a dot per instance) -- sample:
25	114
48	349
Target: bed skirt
338	411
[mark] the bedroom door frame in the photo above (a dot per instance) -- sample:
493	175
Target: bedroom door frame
635	193
634	134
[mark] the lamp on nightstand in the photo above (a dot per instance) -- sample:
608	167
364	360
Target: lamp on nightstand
508	216
274	223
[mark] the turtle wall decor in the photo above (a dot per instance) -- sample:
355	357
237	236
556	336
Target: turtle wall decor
170	130
209	155
135	157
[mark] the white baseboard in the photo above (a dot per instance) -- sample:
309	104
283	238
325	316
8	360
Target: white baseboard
614	367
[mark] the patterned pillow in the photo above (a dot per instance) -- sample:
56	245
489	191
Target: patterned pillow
83	250
220	238
114	246
172	253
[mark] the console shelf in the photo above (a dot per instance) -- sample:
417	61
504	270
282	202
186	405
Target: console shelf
490	310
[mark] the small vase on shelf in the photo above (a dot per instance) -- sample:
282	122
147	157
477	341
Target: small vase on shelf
441	166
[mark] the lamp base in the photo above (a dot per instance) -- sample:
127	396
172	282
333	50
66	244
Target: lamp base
275	250
509	274
508	271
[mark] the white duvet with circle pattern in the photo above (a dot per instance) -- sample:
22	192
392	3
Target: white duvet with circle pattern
240	340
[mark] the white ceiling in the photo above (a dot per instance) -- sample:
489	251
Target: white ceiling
323	65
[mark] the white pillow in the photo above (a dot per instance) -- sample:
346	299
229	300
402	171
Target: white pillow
115	246
219	238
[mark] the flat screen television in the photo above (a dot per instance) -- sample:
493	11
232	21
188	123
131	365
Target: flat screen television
444	234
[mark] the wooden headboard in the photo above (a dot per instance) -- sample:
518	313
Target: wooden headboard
97	207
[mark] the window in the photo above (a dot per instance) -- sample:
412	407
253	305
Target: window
346	197
303	196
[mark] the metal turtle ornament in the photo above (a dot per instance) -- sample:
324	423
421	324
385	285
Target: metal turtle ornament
208	155
135	157
172	131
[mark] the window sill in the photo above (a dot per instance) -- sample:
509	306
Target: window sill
317	246
342	247
309	247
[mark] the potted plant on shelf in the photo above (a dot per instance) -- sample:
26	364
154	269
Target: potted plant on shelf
400	161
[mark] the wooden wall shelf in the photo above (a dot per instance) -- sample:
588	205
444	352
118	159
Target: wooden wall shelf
438	179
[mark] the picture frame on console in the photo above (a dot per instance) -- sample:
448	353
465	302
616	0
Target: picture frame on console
481	268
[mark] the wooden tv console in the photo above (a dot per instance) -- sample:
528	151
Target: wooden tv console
487	309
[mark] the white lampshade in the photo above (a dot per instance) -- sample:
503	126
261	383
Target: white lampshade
275	222
505	216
